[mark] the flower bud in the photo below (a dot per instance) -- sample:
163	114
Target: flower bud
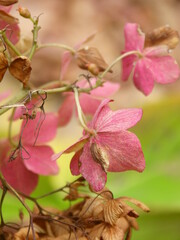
24	12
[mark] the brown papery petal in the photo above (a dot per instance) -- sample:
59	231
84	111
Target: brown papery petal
7	18
113	233
20	68
162	36
8	2
137	203
3	65
112	211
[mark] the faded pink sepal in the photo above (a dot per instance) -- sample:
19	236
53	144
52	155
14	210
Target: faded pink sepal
126	152
66	110
19	177
115	121
40	129
66	59
4	95
74	165
143	76
127	66
134	37
39	160
165	69
73	148
91	170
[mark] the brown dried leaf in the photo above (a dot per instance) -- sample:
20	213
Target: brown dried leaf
8	2
20	68
3	65
8	18
90	59
162	36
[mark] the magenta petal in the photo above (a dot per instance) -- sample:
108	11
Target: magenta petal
165	69
91	170
38	160
6	9
127	66
66	110
74	165
66	59
41	129
19	177
106	90
88	104
124	151
134	38
143	76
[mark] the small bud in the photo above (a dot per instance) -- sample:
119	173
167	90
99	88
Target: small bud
20	68
3	65
162	36
24	12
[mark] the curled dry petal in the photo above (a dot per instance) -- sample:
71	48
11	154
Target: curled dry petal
8	2
3	65
164	35
112	211
113	233
20	68
137	203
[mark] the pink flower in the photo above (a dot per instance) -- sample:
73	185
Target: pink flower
30	160
154	64
11	23
89	102
110	147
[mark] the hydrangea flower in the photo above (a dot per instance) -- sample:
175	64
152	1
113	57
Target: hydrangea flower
89	102
152	64
109	147
13	30
31	160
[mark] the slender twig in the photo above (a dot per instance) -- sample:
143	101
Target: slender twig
10	128
35	30
56	45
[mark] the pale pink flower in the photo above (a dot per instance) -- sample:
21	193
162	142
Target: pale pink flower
154	64
30	160
13	30
110	147
89	102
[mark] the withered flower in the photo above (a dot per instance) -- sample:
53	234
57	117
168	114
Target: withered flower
3	65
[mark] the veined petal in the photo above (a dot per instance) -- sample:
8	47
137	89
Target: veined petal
88	104
66	110
91	170
66	60
134	37
74	165
109	121
39	160
41	129
165	69
19	177
123	150
143	76
127	66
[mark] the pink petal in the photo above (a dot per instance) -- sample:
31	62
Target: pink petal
91	170
165	69
66	110
123	150
88	104
38	160
6	9
19	177
41	129
66	59
109	121
134	38
19	112
157	51
108	89
74	165
127	66
143	76
4	95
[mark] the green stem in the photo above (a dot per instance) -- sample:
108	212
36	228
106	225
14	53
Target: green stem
80	113
35	30
117	60
10	128
9	43
57	45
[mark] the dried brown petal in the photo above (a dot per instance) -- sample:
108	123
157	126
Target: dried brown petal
100	155
8	2
137	203
112	211
22	234
112	233
74	193
7	17
90	59
20	68
162	36
3	65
